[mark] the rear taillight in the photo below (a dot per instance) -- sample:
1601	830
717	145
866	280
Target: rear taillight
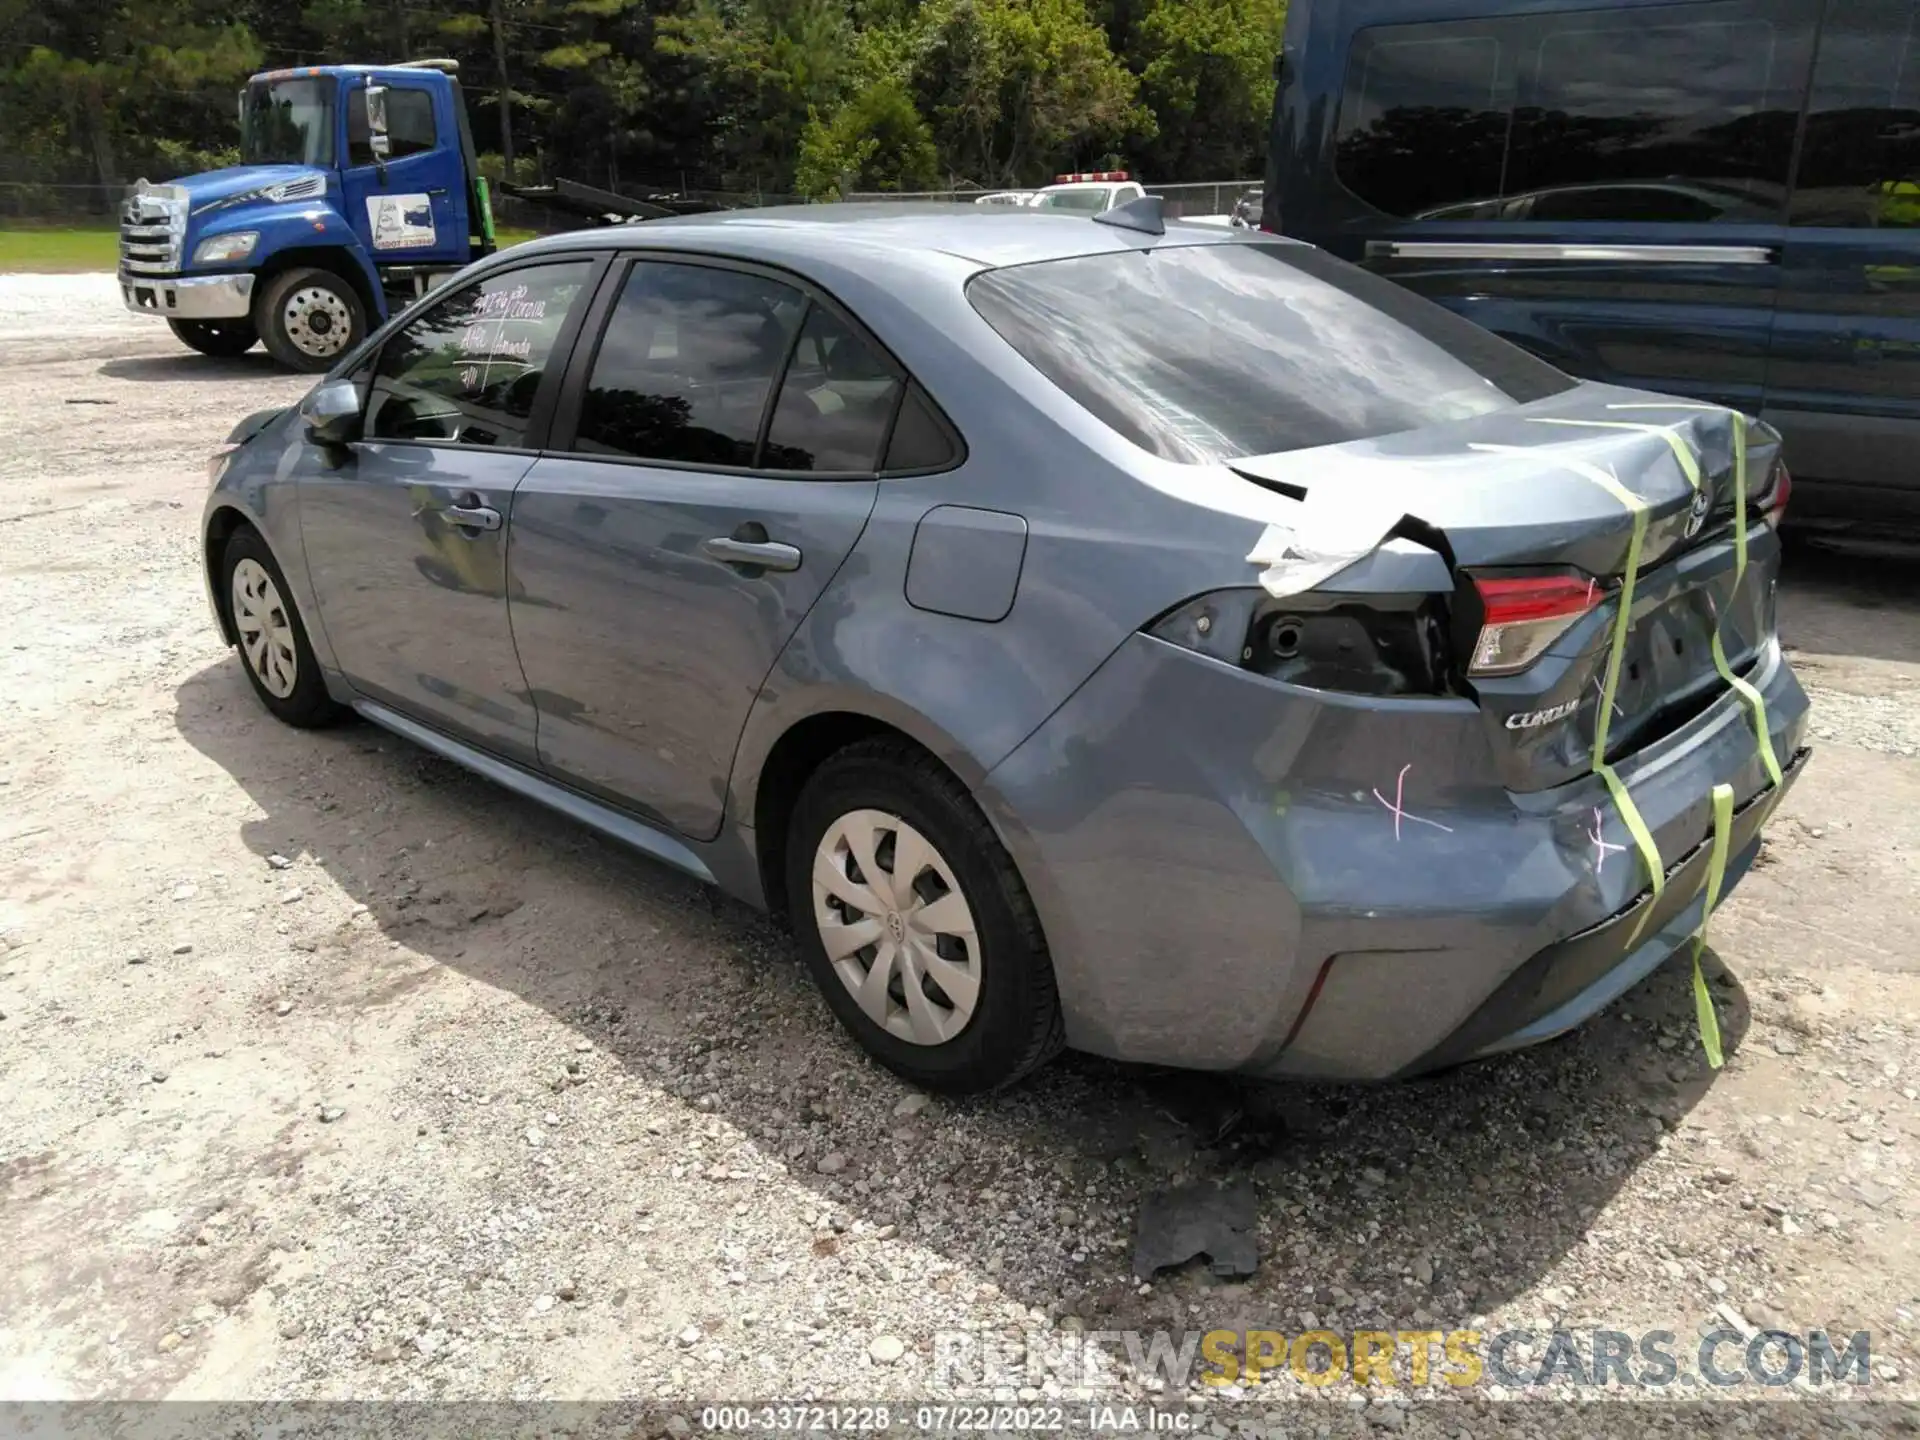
1524	615
1776	502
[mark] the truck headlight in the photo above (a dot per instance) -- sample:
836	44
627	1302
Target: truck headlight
224	249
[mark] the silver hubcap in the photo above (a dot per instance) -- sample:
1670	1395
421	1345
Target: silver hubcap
896	927
317	321
266	634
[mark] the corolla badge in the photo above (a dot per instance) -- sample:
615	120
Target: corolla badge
1532	719
1697	516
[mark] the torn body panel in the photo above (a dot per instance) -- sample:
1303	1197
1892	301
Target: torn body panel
1292	826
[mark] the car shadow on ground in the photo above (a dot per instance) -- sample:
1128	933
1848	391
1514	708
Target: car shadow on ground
1825	584
1481	1178
190	365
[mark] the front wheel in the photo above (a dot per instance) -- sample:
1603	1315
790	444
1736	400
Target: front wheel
916	924
220	338
309	317
274	649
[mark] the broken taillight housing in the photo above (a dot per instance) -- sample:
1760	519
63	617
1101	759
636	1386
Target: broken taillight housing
1775	506
1524	614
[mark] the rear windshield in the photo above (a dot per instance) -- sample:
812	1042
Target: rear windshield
1208	352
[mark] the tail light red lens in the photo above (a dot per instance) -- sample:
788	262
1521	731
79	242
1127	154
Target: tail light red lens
1776	509
1524	615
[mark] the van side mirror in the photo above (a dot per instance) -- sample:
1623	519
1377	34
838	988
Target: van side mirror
332	413
377	140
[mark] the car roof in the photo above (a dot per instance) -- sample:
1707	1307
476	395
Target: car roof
985	234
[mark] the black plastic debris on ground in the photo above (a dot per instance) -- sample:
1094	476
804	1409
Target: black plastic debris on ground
1176	1225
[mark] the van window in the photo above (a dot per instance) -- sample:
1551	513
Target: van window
1424	120
1595	115
1207	352
1860	162
1707	108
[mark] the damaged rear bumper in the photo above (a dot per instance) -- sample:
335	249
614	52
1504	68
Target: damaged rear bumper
1568	983
1238	874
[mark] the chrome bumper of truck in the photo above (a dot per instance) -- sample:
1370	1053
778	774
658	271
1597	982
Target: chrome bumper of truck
196	297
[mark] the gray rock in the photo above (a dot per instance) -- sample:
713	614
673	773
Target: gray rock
1784	1044
185	947
886	1349
1789	1226
158	1077
284	1008
677	1427
568	1291
292	1328
1423	1270
136	959
330	1113
293	895
279	862
913	1104
831	1164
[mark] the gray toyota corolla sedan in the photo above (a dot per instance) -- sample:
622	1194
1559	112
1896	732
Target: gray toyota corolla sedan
1160	640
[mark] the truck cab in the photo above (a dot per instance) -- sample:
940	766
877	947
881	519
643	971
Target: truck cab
357	192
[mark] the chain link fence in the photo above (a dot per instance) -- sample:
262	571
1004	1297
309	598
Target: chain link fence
1184	201
32	202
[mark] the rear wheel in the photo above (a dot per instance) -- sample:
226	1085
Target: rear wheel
309	317
274	649
223	338
916	925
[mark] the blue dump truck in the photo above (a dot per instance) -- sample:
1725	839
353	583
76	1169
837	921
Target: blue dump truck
357	193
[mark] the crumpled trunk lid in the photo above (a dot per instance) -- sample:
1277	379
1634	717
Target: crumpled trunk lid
1550	488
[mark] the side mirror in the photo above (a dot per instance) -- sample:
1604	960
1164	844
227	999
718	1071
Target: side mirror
377	139
332	413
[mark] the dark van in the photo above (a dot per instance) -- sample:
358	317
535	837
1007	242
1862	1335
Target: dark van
1720	200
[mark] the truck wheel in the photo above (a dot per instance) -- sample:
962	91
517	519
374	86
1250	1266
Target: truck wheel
223	338
309	317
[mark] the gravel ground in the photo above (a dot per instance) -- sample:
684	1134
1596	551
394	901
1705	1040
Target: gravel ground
331	1072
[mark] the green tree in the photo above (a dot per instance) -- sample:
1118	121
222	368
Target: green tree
1015	88
876	141
1206	75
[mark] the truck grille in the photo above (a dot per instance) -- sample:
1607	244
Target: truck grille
152	225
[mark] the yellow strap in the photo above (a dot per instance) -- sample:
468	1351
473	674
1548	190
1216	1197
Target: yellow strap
1716	874
1689	462
1629	812
1756	703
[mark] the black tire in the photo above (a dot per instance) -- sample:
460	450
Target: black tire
1016	1024
306	704
332	319
222	339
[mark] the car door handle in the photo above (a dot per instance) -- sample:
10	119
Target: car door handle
472	517
753	554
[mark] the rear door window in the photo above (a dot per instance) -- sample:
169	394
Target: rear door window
1209	352
1860	161
836	401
